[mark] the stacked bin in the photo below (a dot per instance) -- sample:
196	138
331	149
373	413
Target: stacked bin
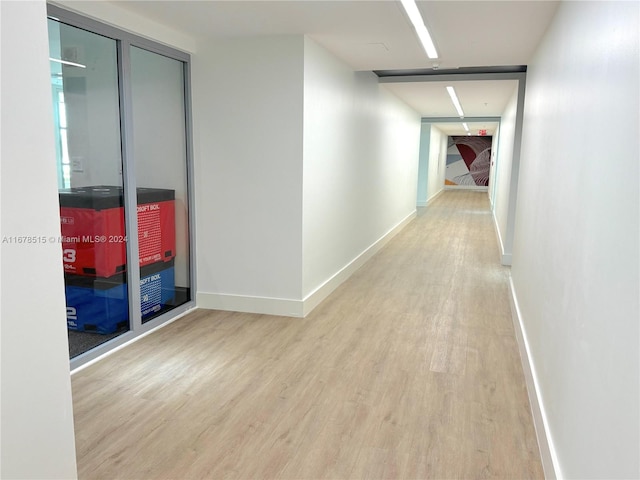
94	255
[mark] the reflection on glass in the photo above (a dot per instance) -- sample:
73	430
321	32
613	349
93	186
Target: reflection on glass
160	154
84	85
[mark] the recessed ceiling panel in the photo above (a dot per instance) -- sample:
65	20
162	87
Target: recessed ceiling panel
478	98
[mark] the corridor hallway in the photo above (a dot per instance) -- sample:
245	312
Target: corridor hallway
410	369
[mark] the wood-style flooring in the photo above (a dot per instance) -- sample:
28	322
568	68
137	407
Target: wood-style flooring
410	369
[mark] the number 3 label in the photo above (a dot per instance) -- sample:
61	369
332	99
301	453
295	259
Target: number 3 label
68	255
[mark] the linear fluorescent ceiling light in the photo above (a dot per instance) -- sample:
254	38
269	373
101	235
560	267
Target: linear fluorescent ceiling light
418	24
65	62
466	127
456	102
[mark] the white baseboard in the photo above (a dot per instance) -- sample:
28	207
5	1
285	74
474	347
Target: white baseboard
505	258
434	196
431	198
545	442
312	300
291	307
245	303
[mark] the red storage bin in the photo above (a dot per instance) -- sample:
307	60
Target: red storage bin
93	231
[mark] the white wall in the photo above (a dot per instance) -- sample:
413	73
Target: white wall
502	177
361	146
576	257
247	97
437	162
432	163
423	164
37	438
302	165
492	169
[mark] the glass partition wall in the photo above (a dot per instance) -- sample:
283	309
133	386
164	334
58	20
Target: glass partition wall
121	124
158	104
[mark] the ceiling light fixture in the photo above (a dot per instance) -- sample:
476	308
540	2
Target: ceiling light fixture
466	127
418	24
456	102
65	62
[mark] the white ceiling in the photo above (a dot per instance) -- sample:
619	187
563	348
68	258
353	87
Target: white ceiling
480	98
377	35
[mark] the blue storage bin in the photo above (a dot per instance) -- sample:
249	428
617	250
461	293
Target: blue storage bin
100	305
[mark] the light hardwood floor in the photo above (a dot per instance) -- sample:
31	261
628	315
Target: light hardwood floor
409	370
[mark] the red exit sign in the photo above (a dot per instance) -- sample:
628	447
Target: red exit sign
482	132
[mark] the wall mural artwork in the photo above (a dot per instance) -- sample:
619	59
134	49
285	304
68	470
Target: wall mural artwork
468	161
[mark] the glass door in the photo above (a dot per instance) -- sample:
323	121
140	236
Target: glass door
160	153
85	95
